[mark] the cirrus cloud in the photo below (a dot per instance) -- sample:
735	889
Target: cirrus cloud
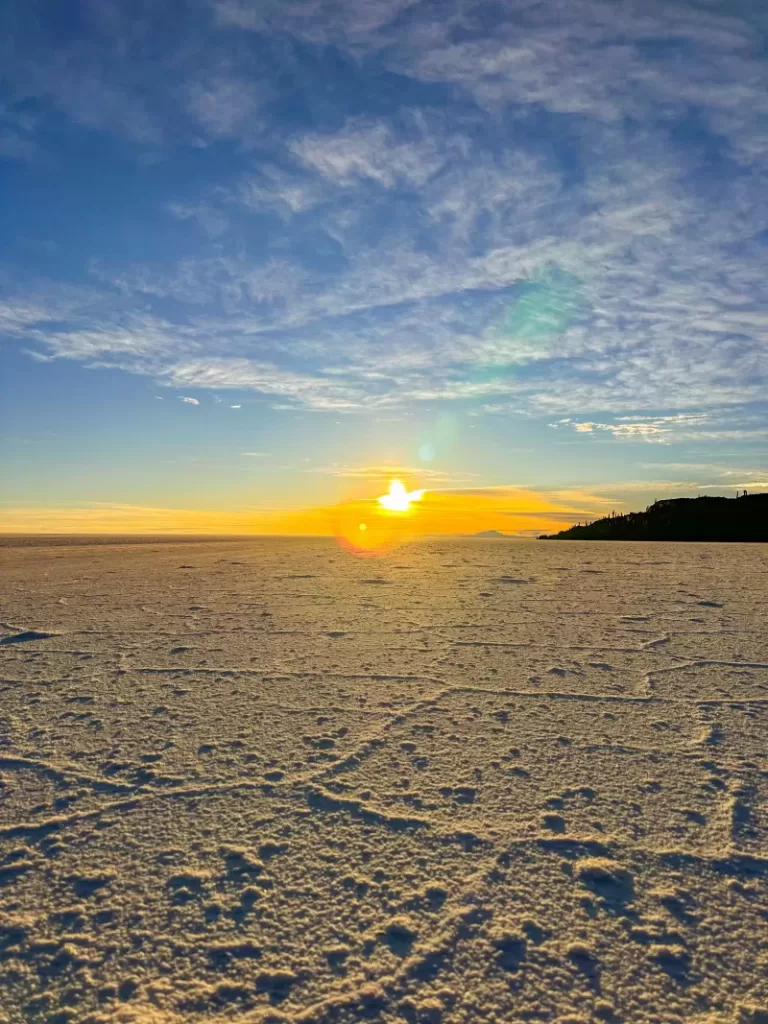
498	208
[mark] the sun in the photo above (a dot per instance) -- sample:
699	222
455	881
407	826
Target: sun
398	499
368	527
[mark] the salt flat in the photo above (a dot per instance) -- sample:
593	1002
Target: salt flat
473	781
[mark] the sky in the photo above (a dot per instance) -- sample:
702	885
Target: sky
258	258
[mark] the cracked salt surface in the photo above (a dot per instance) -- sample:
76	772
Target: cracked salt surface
238	792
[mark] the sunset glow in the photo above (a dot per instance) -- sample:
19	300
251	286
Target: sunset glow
365	519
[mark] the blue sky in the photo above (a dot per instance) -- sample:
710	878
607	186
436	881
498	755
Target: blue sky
254	251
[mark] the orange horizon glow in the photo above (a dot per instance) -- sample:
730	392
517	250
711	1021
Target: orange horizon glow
516	511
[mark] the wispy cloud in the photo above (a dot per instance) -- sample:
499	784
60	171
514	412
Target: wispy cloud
373	150
656	430
314	391
189	401
501	209
384	473
212	220
226	105
725	472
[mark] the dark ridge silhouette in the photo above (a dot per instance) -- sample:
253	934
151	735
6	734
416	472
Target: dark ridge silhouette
742	519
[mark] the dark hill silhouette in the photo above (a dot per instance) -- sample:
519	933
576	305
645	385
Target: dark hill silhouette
744	518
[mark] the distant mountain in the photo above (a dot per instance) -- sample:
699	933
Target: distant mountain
682	519
491	534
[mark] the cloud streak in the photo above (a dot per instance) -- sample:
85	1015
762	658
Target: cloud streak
433	478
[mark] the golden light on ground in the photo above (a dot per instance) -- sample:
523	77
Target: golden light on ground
398	499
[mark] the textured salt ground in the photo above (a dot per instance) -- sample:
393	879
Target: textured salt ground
476	781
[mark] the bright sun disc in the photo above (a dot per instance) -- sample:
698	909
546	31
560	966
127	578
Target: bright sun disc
398	499
369	527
